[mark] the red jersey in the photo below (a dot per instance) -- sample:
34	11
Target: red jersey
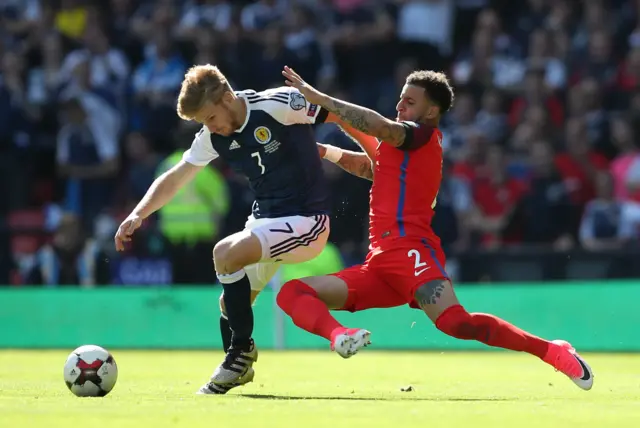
576	178
405	186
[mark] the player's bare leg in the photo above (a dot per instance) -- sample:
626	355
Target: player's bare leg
438	300
231	255
308	302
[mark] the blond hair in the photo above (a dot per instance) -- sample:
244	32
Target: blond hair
201	83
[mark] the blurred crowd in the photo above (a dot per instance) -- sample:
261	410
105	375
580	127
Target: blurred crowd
541	145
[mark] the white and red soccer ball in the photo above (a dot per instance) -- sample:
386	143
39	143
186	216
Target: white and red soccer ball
90	371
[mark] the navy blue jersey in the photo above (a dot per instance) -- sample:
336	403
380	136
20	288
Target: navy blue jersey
276	149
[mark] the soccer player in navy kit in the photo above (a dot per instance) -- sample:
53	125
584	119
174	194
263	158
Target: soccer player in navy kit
267	137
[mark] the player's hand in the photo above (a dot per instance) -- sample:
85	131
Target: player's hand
310	93
126	229
322	150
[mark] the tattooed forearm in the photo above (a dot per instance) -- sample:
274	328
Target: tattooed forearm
357	164
367	121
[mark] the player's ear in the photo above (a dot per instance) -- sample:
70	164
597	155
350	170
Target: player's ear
227	97
433	112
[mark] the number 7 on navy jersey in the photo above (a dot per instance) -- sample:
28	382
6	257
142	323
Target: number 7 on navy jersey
257	156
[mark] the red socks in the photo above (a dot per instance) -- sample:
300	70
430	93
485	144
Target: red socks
307	311
490	330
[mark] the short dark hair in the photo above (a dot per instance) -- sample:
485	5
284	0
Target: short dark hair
436	86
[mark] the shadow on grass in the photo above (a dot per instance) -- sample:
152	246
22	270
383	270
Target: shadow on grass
408	398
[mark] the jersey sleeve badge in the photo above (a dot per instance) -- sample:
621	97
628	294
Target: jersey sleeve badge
298	102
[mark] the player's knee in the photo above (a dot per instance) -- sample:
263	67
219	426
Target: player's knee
221	252
285	296
223	258
457	322
235	252
289	292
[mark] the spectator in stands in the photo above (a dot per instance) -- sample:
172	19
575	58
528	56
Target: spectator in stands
301	41
625	168
155	85
213	14
495	197
628	78
16	131
363	46
491	120
261	14
20	16
143	163
538	118
521	70
87	156
425	29
530	21
599	63
192	221
120	29
580	164
478	67
45	79
268	57
153	17
459	125
608	224
542	53
504	44
595	21
576	104
466	15
472	160
545	212
453	210
520	140
596	117
560	14
108	67
535	93
71	259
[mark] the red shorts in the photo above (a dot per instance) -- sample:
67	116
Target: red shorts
390	277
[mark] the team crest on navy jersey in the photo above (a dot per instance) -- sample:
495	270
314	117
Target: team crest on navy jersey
297	101
262	134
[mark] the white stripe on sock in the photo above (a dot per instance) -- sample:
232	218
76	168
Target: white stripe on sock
232	277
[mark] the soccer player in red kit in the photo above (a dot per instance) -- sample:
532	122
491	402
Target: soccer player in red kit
405	264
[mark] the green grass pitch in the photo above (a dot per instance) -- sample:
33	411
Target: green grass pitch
319	389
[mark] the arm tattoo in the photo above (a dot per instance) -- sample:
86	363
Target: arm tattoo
357	164
367	121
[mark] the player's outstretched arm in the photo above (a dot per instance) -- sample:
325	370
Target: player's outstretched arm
361	118
354	163
366	142
161	191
